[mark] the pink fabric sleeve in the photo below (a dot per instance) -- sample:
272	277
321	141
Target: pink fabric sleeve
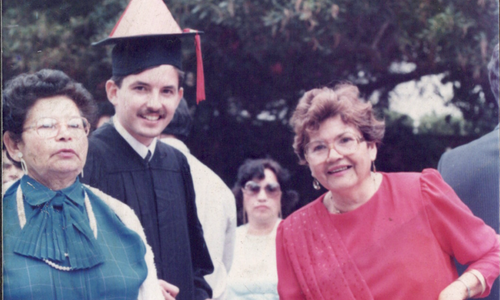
458	231
288	285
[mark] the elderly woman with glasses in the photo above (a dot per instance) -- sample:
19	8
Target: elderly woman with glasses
61	239
261	201
374	235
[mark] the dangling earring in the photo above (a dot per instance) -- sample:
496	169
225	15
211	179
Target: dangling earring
81	174
23	163
279	214
316	184
374	169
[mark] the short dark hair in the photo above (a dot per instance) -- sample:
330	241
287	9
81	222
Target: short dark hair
254	168
181	123
105	108
22	92
118	80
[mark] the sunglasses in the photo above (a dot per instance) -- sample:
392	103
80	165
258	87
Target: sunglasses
252	188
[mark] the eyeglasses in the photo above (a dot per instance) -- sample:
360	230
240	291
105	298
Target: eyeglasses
252	188
345	144
49	127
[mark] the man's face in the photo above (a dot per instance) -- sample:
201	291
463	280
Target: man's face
146	102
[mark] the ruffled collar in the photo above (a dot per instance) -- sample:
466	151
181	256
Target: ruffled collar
36	193
58	228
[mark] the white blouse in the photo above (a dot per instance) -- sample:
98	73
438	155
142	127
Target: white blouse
254	274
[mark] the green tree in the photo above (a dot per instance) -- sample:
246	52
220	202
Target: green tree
447	126
260	56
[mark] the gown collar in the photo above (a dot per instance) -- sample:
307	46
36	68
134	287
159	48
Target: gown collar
140	148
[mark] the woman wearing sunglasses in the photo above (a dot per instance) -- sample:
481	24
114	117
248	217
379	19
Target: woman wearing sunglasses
61	239
261	201
374	235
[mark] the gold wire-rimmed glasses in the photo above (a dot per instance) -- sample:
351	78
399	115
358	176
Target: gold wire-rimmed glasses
345	144
50	127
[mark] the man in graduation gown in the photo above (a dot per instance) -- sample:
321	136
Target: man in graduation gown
126	161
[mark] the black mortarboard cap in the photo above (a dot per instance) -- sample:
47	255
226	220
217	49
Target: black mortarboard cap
146	35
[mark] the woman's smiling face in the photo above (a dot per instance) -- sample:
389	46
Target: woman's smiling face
340	173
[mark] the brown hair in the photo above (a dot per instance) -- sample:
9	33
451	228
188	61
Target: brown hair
317	105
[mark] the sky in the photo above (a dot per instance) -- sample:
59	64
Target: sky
419	98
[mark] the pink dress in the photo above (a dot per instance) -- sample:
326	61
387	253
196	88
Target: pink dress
398	245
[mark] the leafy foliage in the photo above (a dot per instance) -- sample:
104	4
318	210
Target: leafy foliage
260	56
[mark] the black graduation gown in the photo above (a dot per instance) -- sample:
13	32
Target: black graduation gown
162	195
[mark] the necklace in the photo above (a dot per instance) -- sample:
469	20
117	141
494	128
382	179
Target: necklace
22	221
56	266
330	205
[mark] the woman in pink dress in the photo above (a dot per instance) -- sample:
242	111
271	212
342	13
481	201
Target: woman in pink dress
374	235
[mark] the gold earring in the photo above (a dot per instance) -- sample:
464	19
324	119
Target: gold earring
316	184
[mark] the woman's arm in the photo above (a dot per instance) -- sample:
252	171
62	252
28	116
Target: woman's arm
288	285
461	235
466	286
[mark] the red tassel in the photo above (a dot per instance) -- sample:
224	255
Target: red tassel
200	76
